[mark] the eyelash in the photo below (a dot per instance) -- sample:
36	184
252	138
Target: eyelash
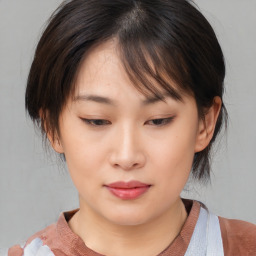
90	121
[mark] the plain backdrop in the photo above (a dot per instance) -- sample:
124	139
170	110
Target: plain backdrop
34	188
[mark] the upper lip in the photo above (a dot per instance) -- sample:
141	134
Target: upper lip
129	184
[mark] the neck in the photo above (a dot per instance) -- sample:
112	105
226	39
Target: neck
148	239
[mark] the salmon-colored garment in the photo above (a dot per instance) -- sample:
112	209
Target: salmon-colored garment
239	237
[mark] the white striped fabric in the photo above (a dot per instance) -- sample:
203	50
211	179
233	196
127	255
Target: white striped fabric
206	239
3	252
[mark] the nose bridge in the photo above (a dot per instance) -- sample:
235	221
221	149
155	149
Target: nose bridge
127	137
127	148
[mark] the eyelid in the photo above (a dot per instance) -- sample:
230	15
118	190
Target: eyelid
88	121
166	121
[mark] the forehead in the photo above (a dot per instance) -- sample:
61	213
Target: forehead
102	73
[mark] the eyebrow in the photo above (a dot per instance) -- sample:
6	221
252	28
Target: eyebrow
111	102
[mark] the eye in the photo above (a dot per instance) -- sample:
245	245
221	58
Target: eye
95	122
162	121
101	122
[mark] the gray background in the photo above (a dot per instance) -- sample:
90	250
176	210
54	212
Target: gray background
34	190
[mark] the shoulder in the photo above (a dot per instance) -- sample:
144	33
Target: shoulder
239	237
55	240
43	243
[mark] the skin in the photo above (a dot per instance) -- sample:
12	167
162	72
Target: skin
128	146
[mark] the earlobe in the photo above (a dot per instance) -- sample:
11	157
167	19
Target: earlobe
53	139
207	125
55	143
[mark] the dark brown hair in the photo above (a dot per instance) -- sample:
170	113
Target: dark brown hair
170	34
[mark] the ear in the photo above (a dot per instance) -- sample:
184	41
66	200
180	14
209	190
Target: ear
55	142
207	125
52	137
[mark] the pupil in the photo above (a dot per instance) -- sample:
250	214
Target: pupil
158	121
98	122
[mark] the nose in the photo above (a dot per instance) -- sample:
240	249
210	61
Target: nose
127	151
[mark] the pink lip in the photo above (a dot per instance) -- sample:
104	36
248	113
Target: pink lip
128	190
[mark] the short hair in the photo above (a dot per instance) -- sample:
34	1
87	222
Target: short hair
159	40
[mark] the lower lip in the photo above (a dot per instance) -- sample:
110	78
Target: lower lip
128	193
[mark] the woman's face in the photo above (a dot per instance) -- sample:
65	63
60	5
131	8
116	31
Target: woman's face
126	144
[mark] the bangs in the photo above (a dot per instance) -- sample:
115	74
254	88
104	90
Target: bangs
153	65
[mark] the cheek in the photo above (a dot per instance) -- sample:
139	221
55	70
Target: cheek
79	156
175	156
80	159
179	146
82	170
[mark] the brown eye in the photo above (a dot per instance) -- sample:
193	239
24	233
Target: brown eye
95	122
162	121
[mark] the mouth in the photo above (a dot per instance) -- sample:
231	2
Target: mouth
128	190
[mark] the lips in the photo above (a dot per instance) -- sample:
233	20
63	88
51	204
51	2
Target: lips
128	190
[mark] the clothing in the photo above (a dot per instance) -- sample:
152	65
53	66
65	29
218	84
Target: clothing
238	237
206	239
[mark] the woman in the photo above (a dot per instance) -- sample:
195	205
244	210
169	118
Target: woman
129	93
